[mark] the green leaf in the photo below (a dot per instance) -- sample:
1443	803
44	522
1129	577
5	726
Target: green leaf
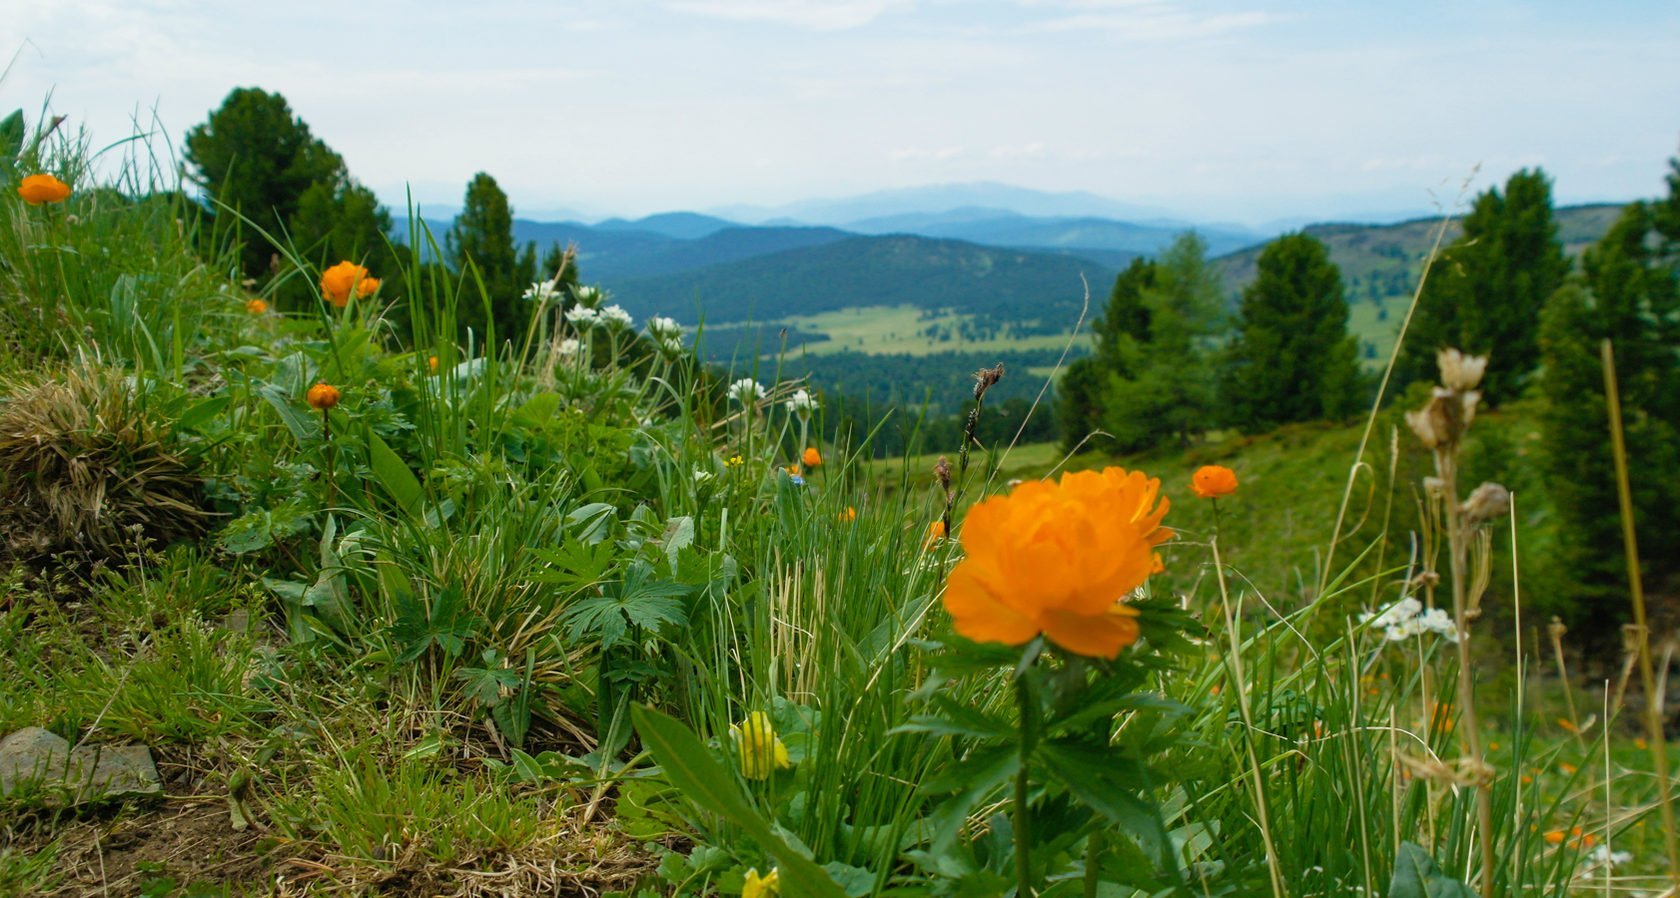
393	474
202	413
1109	784
11	136
303	429
687	764
1417	876
592	523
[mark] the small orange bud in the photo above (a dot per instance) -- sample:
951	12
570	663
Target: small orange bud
432	364
38	189
812	457
936	532
1554	837
323	396
1213	481
849	515
256	306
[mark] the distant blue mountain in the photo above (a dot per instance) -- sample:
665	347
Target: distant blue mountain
1090	236
941	198
680	225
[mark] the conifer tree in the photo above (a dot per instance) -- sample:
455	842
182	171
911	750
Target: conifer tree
253	156
1485	293
481	245
1628	296
1292	359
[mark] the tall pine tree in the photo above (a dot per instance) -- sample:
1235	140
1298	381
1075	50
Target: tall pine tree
1485	294
1628	296
1292	359
481	245
253	156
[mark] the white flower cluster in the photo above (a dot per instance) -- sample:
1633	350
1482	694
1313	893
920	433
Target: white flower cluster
660	326
541	291
583	317
569	347
588	296
745	391
1407	618
802	404
615	316
1602	856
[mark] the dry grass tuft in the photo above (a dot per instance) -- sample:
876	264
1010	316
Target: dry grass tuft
85	471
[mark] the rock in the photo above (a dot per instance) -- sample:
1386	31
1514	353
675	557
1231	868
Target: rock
32	754
86	773
115	771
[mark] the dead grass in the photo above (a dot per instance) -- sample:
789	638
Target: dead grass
85	470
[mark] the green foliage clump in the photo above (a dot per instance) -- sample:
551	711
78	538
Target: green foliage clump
1485	293
1291	358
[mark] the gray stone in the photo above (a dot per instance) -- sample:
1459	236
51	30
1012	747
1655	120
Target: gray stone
32	754
86	773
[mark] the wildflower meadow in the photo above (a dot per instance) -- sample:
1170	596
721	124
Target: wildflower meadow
381	600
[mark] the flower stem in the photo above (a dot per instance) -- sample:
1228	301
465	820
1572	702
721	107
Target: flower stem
1458	550
1023	812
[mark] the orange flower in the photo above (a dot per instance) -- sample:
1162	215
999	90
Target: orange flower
256	306
812	457
793	470
432	363
323	396
849	515
1213	481
1059	559
338	281
936	532
1554	837
38	189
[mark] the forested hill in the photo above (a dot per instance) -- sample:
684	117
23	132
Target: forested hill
897	270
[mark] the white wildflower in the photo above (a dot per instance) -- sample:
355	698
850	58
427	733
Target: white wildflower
570	347
541	291
582	317
1438	621
1602	856
588	296
672	345
615	316
802	403
745	391
1401	611
662	327
701	476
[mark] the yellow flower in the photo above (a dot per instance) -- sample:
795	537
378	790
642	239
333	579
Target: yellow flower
323	396
812	457
338	281
849	515
256	306
936	532
762	886
760	750
1059	559
1213	481
735	461
38	189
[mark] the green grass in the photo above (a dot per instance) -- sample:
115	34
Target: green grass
457	586
904	329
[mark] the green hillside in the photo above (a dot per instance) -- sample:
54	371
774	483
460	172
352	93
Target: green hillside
1381	263
1040	291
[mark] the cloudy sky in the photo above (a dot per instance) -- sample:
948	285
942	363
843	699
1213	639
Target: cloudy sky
1213	110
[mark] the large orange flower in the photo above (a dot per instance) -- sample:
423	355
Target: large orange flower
1059	559
1213	481
38	189
339	280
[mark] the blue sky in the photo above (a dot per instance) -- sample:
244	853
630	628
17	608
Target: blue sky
1215	111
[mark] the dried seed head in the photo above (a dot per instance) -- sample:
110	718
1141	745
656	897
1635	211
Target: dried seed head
1444	420
1459	372
1556	629
942	473
1434	487
985	378
1486	502
1426	580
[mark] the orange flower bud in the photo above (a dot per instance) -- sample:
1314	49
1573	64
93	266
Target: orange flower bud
339	281
812	457
1213	481
38	189
256	306
323	396
850	514
936	532
432	364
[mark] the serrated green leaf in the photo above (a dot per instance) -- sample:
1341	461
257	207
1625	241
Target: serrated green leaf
1416	875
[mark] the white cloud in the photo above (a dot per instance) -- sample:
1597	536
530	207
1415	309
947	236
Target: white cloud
926	154
819	15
